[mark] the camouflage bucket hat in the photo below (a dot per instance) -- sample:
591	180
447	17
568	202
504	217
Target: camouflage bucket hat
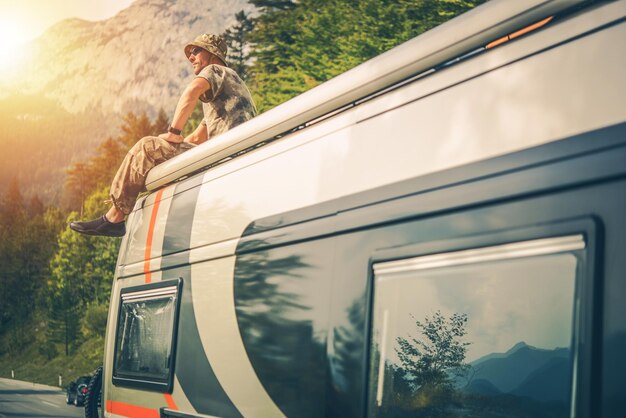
215	44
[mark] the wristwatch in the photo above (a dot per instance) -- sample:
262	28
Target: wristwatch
174	131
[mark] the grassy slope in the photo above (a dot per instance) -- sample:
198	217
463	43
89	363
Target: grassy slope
29	365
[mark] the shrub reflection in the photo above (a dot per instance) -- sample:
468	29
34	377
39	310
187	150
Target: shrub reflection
429	376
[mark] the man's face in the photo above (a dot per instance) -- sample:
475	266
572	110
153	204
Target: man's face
199	58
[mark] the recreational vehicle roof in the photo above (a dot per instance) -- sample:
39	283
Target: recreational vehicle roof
458	36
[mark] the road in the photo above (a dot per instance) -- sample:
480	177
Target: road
24	400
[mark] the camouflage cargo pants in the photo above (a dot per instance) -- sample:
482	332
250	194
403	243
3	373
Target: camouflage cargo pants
130	179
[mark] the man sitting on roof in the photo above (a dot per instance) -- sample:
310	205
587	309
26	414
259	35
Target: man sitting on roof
226	102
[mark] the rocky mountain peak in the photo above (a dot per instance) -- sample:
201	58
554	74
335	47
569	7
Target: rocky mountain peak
131	61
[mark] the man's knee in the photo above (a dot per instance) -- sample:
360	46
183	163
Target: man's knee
150	151
147	142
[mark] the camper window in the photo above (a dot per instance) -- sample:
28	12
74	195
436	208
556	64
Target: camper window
145	336
487	331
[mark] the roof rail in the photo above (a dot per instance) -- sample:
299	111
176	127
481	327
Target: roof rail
464	33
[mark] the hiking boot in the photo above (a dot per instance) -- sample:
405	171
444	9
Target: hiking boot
101	226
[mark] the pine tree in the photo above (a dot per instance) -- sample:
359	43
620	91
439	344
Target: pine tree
13	206
134	128
78	183
238	44
161	123
298	45
27	241
81	272
12	287
36	207
104	164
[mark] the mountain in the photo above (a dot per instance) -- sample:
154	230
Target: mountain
482	387
132	61
521	367
549	383
79	78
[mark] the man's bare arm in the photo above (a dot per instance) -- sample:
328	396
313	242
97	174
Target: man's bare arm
185	107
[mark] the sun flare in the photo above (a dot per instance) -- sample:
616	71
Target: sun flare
12	36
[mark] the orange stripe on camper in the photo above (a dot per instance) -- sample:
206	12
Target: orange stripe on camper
519	33
148	252
170	402
530	28
497	42
131	411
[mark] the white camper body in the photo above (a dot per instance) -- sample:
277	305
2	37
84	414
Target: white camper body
271	271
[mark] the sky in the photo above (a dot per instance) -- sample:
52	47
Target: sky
24	20
527	300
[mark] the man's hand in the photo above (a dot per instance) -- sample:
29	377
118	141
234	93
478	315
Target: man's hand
198	136
173	138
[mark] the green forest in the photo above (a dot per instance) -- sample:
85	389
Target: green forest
55	284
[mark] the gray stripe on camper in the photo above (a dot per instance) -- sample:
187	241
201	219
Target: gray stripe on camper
180	219
193	370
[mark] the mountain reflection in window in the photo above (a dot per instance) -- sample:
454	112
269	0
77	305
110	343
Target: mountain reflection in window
485	338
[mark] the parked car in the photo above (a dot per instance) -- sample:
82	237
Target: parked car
77	390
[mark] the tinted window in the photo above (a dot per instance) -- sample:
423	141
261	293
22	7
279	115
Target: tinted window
486	332
145	335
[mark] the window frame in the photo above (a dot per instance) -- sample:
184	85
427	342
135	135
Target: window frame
159	385
586	330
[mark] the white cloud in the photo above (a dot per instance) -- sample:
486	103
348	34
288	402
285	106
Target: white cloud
530	300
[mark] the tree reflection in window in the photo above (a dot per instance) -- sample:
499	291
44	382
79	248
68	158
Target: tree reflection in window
430	365
490	335
432	378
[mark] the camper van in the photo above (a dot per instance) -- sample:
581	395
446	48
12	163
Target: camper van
438	232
